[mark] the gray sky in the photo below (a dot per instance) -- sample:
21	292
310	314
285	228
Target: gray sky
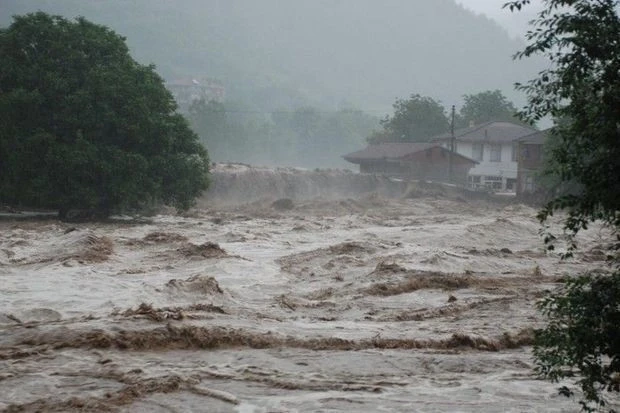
514	22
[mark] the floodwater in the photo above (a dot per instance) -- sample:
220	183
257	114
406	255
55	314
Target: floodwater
367	305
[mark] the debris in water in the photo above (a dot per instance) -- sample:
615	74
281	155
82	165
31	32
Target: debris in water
284	301
206	250
193	337
283	204
170	313
149	312
350	248
96	249
196	284
418	281
390	268
161	237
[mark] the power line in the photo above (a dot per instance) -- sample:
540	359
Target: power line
271	112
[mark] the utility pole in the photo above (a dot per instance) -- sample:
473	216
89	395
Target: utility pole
452	148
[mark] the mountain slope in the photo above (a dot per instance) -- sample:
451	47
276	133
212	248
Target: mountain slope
320	52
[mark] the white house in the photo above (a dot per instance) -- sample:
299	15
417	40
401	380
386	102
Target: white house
493	145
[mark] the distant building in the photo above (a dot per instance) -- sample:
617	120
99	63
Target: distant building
429	161
494	145
530	162
188	90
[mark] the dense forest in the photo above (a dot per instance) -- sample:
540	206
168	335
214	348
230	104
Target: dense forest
279	57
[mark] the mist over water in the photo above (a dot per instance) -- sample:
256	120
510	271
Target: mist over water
234	184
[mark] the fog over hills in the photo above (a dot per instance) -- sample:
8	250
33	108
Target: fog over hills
516	23
286	53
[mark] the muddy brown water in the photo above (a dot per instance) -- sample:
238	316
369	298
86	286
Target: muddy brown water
367	304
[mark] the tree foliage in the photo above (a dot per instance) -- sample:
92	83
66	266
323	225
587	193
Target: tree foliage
210	121
414	120
317	56
581	87
582	338
84	126
490	105
306	136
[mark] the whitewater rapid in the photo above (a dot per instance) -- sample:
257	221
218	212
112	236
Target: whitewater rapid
355	304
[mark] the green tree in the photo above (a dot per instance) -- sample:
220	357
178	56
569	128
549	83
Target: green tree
490	105
210	122
305	121
414	120
582	87
341	132
84	126
306	136
379	136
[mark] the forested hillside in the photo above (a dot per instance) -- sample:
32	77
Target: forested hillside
306	81
276	53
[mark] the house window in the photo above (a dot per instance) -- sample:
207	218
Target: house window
493	182
529	183
476	151
525	153
474	181
496	153
510	184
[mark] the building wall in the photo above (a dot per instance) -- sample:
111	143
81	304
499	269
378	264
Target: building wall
434	165
382	167
530	165
530	155
497	175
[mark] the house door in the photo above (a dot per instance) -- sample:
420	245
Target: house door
511	184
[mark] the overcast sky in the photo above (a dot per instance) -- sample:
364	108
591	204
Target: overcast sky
515	23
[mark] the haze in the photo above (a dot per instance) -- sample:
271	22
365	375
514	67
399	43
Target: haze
277	56
324	253
516	24
361	51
